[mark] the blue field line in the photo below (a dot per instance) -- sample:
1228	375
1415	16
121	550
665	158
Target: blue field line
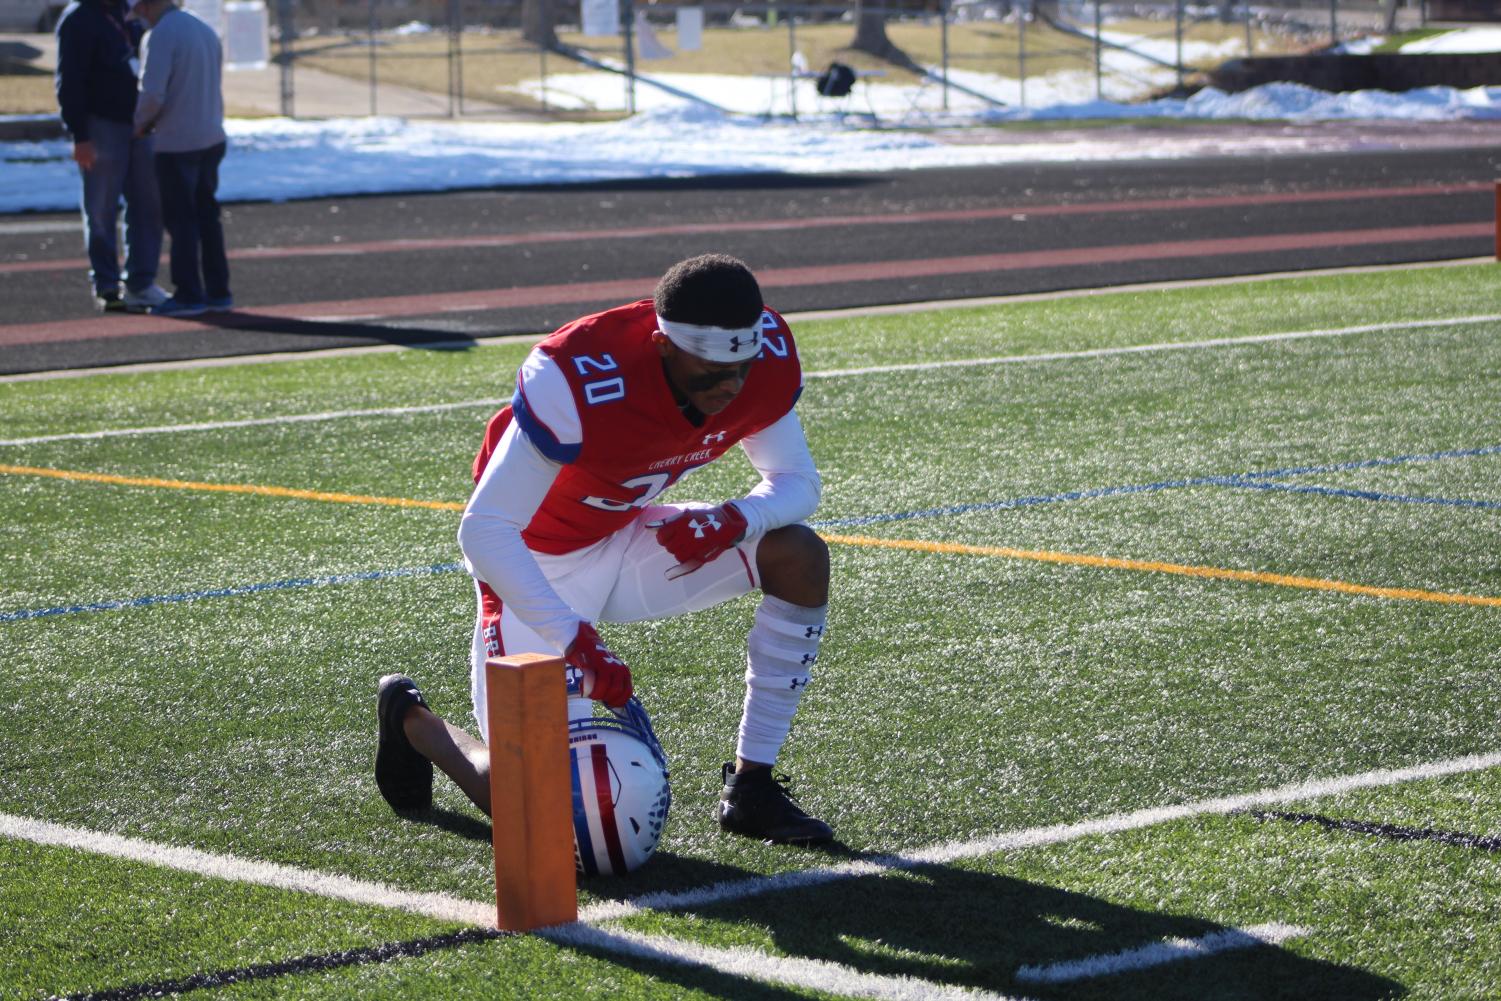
230	592
1392	460
1250	479
1370	495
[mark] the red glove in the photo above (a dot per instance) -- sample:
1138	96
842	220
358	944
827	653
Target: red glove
606	678
695	537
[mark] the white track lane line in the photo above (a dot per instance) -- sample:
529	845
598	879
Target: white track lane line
1171	950
837	373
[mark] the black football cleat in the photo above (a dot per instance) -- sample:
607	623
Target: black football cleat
756	803
404	777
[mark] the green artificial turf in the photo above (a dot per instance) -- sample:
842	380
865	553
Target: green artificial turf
224	702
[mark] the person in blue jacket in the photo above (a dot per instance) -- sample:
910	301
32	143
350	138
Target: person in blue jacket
97	80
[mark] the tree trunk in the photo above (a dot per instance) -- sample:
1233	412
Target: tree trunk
870	32
871	38
1391	16
536	23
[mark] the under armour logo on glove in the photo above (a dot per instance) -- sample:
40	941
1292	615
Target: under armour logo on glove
605	676
710	523
698	537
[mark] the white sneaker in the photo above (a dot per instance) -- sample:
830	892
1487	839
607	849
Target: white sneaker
146	299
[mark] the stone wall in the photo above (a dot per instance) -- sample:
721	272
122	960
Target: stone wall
1464	10
1374	72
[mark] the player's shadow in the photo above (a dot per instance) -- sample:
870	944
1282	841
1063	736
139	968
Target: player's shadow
956	928
465	825
345	331
668	872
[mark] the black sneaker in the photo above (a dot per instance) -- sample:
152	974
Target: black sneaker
109	301
404	777
756	803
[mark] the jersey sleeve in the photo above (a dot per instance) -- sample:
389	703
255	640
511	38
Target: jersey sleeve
790	486
510	490
545	409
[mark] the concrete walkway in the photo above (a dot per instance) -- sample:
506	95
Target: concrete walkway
316	94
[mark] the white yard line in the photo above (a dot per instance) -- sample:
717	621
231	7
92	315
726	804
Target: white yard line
1171	950
1028	359
751	963
449	908
754	964
1034	837
242	870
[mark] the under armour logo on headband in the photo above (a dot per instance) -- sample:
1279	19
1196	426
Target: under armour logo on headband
717	344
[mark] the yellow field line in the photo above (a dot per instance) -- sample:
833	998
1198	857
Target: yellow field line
1154	566
227	488
916	545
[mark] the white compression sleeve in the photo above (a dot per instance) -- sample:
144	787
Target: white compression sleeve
790	486
508	494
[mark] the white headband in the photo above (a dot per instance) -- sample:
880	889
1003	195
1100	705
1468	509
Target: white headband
716	344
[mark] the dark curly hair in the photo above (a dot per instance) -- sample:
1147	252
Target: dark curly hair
712	290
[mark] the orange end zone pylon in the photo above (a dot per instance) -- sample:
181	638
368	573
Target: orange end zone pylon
531	797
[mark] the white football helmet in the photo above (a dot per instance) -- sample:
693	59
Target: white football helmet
621	791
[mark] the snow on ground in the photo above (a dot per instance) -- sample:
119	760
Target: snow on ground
1462	40
279	158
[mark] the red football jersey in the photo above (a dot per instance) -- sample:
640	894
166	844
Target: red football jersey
635	441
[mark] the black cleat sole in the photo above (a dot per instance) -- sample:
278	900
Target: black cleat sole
403	776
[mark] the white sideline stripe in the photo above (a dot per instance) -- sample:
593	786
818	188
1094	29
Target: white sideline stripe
1170	950
331	415
753	964
449	908
1216	342
853	312
283	877
955	851
747	962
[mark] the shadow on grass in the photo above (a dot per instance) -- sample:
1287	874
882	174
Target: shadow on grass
960	929
465	825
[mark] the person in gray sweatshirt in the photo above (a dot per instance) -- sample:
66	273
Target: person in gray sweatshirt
181	103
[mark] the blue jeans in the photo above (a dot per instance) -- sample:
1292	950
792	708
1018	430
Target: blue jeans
123	167
190	206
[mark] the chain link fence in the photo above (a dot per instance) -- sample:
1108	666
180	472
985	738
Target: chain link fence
909	58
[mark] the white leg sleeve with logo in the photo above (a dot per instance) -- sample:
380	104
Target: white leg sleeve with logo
781	650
